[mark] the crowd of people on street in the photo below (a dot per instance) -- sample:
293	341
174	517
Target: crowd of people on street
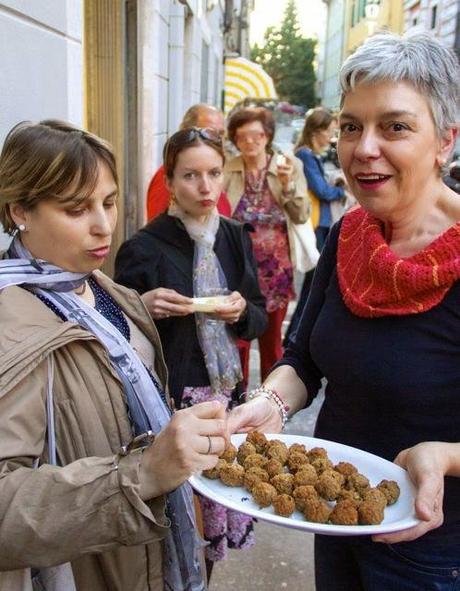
113	393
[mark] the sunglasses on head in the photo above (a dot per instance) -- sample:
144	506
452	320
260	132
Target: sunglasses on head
190	134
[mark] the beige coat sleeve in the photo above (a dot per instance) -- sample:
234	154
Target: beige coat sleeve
296	202
51	514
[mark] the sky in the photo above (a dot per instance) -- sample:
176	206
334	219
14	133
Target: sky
312	17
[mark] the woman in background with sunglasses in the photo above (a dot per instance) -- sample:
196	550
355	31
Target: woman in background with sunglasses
265	190
192	251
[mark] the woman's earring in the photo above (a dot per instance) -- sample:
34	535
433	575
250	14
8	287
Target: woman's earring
172	198
22	227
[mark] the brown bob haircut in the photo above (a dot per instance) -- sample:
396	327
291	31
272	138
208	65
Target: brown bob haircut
189	137
248	115
51	159
316	119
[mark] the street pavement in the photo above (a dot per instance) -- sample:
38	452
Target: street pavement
282	558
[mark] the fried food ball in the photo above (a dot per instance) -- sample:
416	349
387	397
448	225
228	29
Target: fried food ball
284	483
274	467
255	460
213	473
253	476
304	494
321	464
345	468
246	449
232	474
390	489
300	447
277	450
329	484
370	513
284	505
350	495
357	482
375	495
317	510
296	460
264	493
317	452
258	440
305	475
344	513
229	453
275	442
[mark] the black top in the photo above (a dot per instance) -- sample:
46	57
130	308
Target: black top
392	381
161	255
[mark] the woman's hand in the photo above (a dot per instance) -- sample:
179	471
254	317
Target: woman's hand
259	414
192	441
284	173
163	303
234	307
427	463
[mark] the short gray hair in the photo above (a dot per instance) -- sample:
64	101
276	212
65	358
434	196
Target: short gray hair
419	59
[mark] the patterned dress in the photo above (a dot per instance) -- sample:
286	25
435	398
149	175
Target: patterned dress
223	528
270	240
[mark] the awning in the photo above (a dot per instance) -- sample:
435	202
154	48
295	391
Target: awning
244	78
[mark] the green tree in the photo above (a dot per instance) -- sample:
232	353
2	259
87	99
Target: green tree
288	58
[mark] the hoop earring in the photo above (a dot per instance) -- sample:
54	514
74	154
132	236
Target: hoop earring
22	227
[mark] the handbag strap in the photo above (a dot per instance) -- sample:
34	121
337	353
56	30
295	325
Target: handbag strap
52	459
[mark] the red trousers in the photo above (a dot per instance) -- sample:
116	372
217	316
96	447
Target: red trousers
270	346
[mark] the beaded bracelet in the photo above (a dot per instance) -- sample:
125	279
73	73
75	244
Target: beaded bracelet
270	394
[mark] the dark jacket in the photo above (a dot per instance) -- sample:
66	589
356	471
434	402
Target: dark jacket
161	255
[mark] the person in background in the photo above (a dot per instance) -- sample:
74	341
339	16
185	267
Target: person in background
317	132
192	251
158	196
318	129
265	193
93	464
382	322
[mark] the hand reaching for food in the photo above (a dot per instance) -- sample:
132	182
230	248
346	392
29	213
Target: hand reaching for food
192	441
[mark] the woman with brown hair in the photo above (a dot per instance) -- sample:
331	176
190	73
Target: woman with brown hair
318	129
316	135
191	251
266	190
93	464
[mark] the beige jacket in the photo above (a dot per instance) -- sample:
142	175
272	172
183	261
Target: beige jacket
88	512
296	204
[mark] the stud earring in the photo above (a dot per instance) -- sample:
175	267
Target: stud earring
22	227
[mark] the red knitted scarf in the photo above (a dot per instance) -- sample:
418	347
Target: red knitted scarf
375	282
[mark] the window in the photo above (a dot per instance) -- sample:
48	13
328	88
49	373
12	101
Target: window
204	72
434	14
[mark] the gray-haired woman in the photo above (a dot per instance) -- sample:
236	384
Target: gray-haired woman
382	322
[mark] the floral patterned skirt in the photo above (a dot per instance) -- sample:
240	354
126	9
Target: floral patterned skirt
223	528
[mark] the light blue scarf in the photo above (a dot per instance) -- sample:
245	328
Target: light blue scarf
182	568
219	349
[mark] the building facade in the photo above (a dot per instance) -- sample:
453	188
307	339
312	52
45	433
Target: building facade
333	52
125	69
364	18
439	17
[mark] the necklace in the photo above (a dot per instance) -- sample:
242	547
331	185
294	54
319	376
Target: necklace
255	184
83	289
